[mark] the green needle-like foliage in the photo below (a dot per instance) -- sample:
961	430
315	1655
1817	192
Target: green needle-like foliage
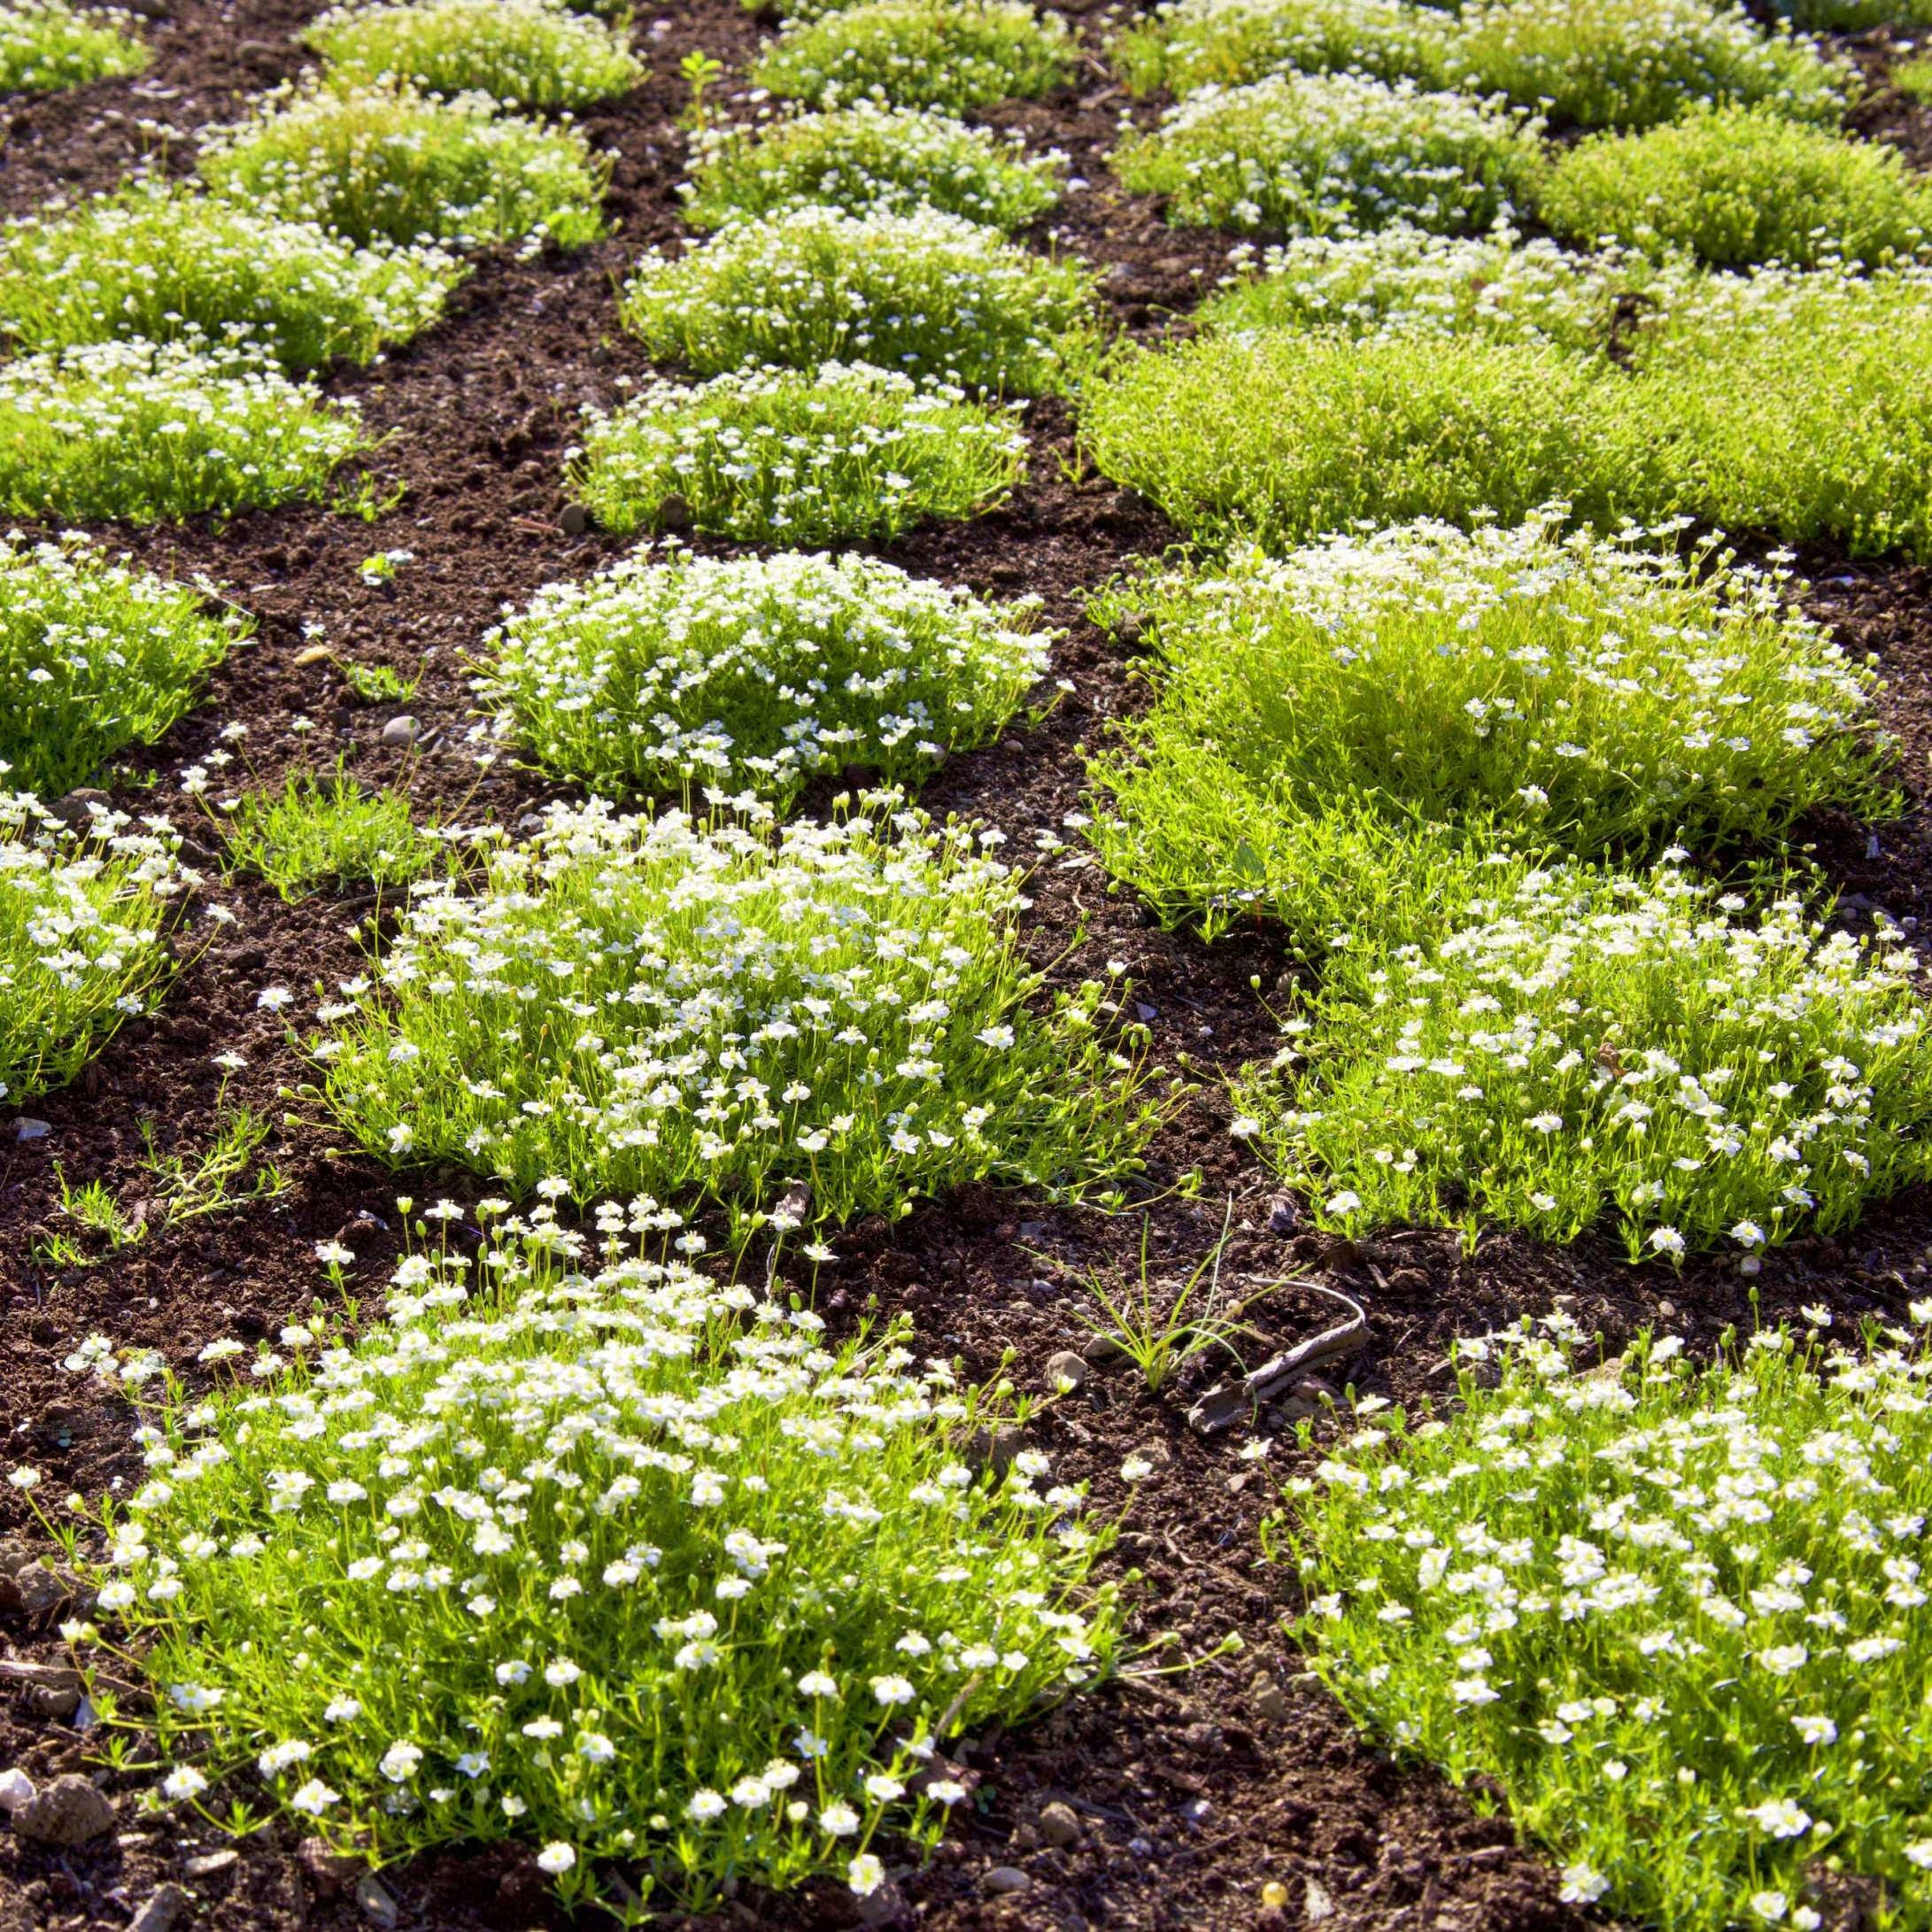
47	46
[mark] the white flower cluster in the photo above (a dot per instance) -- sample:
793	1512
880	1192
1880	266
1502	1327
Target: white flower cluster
582	1544
714	1009
46	45
1677	1611
93	656
164	261
926	293
1316	153
82	921
530	53
894	158
1586	1042
843	451
1186	44
140	430
672	673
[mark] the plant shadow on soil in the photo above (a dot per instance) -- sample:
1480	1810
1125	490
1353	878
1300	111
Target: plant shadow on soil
1192	1791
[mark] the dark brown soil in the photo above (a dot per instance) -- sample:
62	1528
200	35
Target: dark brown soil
1194	1792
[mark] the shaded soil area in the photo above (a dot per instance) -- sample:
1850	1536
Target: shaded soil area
1194	1789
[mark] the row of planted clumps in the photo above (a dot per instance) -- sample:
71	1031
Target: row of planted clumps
1440	687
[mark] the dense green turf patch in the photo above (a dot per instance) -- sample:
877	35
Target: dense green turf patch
1186	44
929	294
581	1548
327	834
671	674
1556	1047
82	916
133	430
166	262
867	156
383	162
528	53
1735	185
1855	16
839	454
1324	152
712	1011
1672	1614
1597	695
1633	62
46	45
94	657
949	54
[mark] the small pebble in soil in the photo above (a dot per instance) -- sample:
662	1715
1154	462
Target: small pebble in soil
373	1895
163	1907
1059	1825
212	1863
575	520
26	1129
1101	1350
1066	1372
69	1811
1007	1881
1267	1698
401	731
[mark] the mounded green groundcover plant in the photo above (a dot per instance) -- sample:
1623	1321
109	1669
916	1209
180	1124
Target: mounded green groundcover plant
1735	185
673	674
926	293
140	431
1676	1613
1334	150
845	452
46	46
1543	1046
1779	401
164	261
580	1547
382	161
951	54
328	832
94	657
867	157
715	1010
1597	694
525	53
1186	44
82	916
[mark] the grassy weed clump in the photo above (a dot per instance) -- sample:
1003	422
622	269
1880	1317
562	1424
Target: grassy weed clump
1324	152
714	1010
891	158
1599	695
1406	280
164	262
841	454
1855	16
141	431
1633	62
1735	185
82	918
586	1550
925	294
46	46
1674	1611
94	657
382	162
528	53
1186	44
1572	1044
950	54
1914	77
1277	436
672	674
328	834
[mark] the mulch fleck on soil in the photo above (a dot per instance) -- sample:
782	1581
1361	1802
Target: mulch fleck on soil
1190	1790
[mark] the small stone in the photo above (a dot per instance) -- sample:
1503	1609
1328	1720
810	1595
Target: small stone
41	1591
26	1128
1317	1904
1267	1698
575	520
16	1789
1283	1216
672	512
212	1863
162	1907
1101	1350
1668	1309
329	1869
400	731
52	1702
1066	1370
373	1895
1130	629
79	806
311	653
995	1448
884	1906
1007	1881
1059	1824
68	1813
